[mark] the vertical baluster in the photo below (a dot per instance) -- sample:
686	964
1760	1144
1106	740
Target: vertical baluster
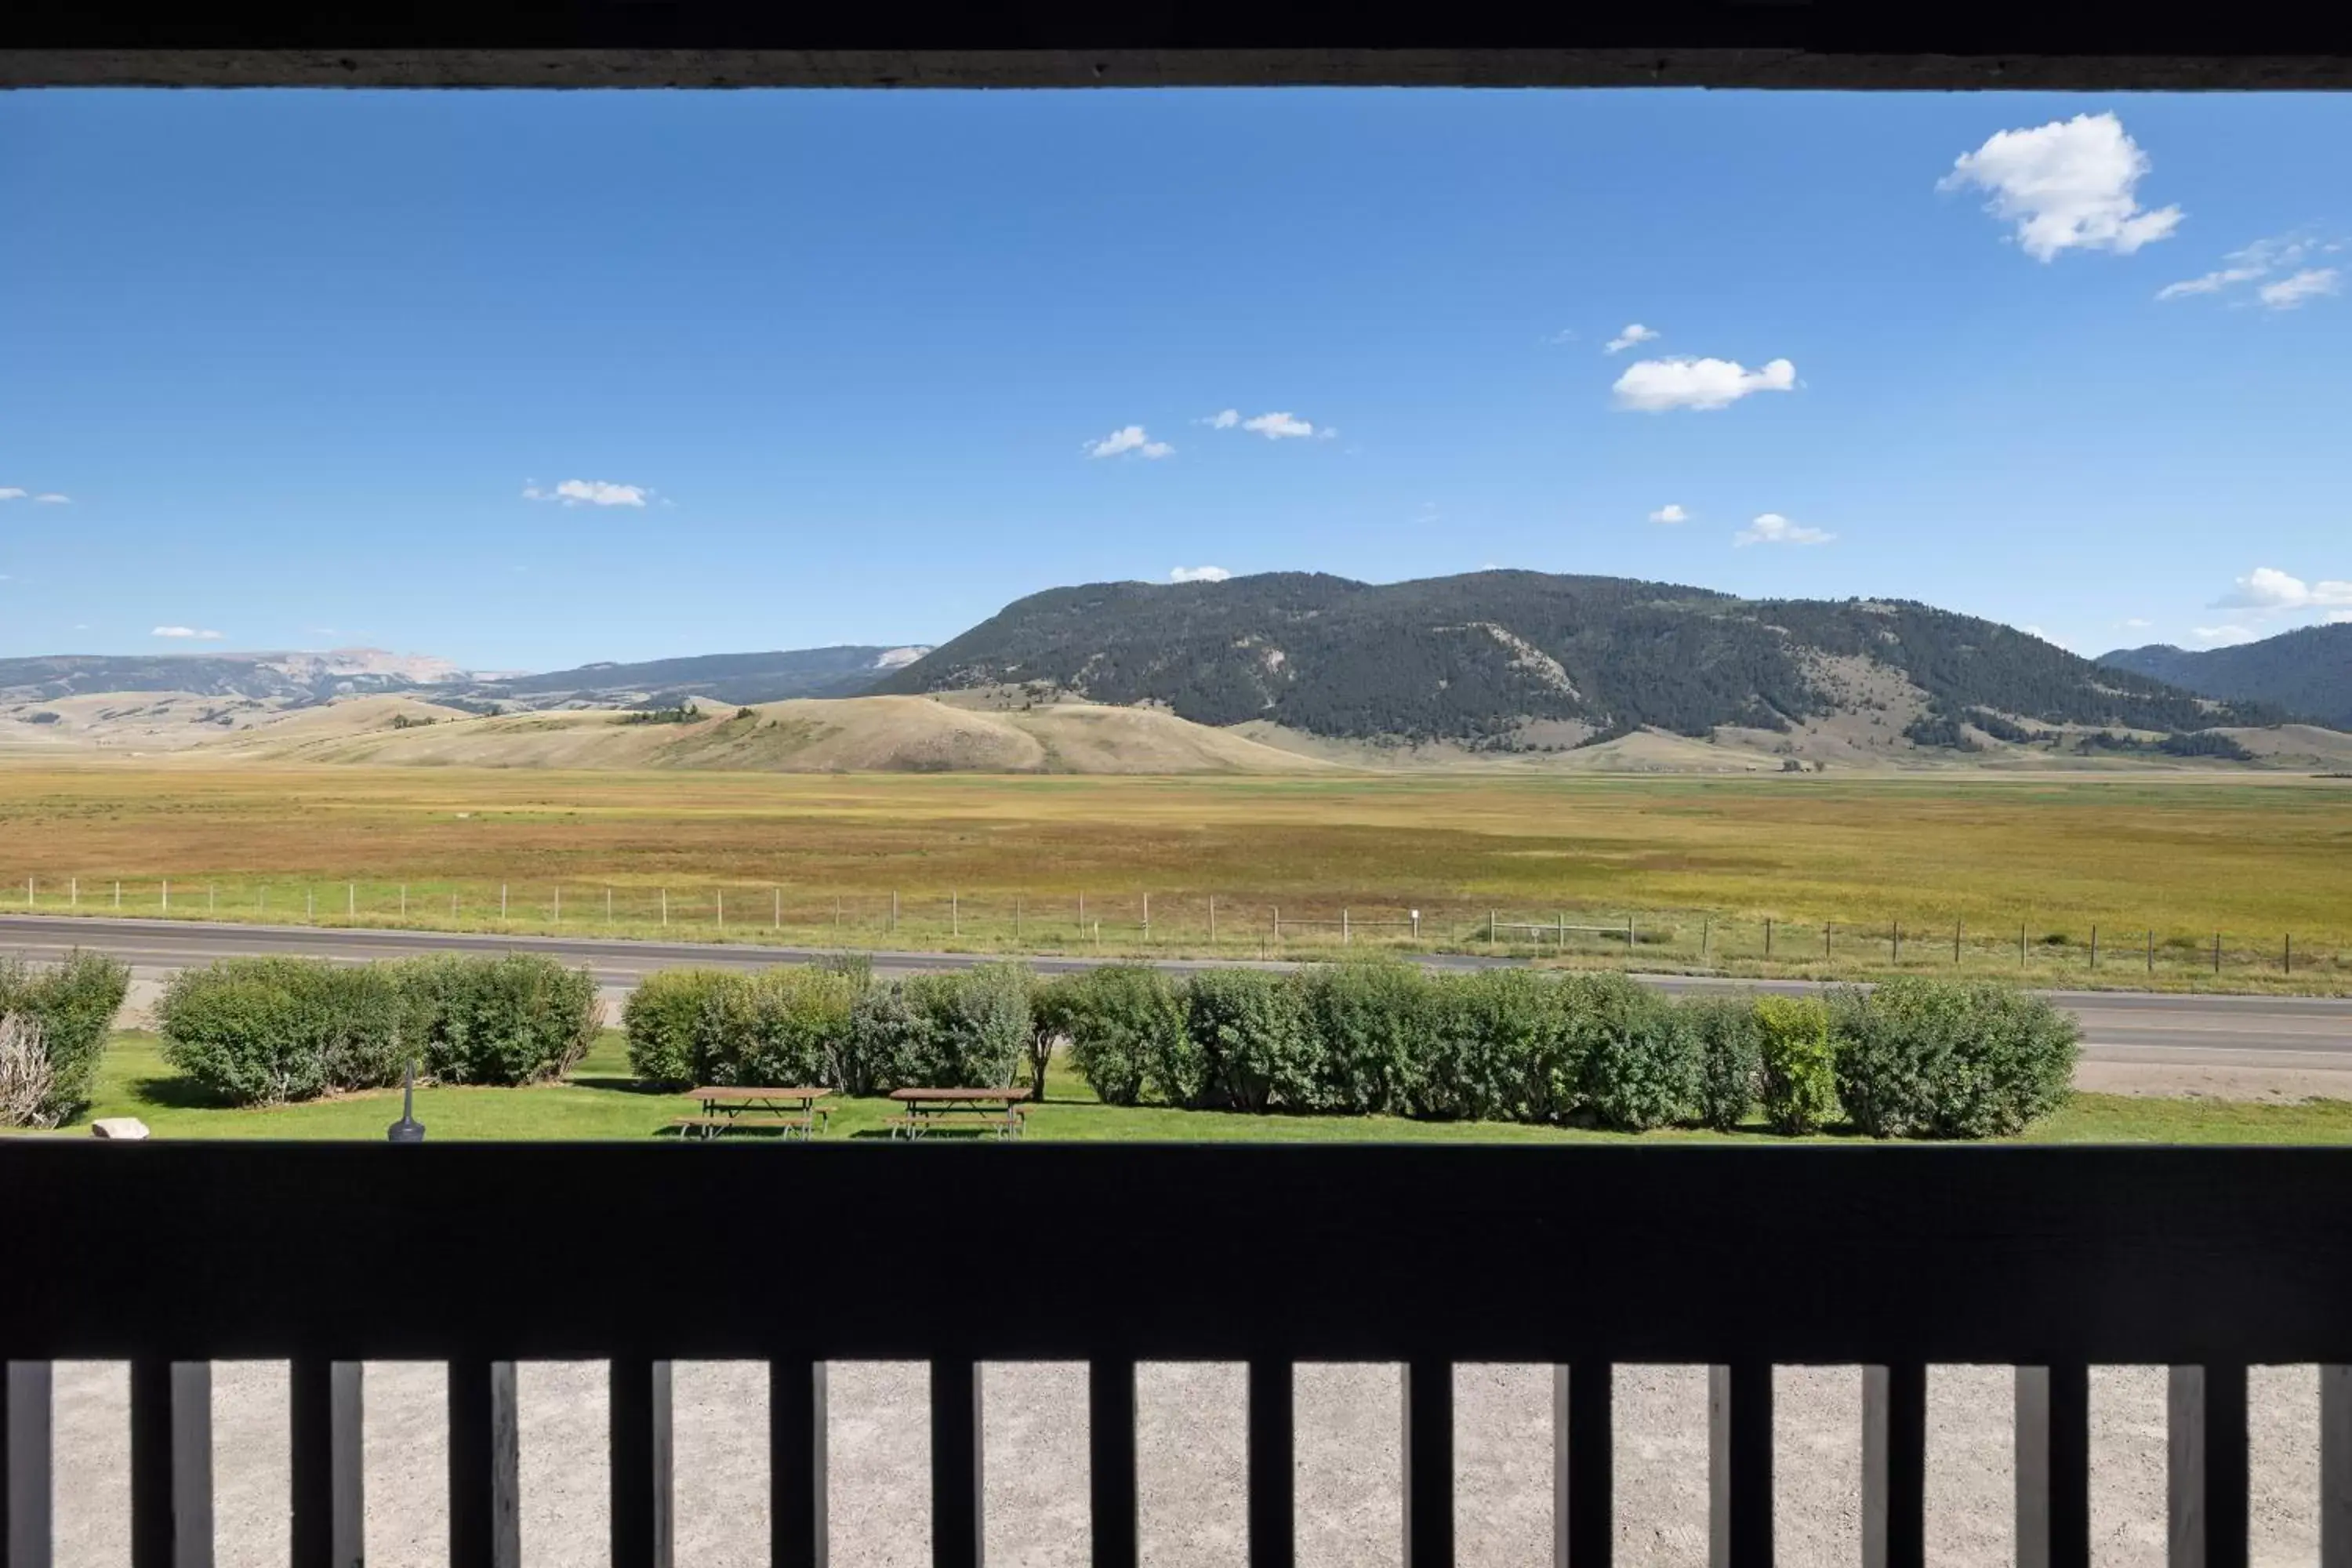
1111	1462
2336	1466
798	1525
28	1494
171	1464
1428	1390
2053	1466
956	1459
485	1466
1273	1523
1740	1465
1893	1466
1584	1464
330	1501
644	1530
2206	1467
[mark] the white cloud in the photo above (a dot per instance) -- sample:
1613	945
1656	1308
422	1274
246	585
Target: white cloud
1197	575
2051	638
199	635
2267	589
1224	420
1127	438
51	498
1634	333
589	492
1771	528
1654	386
2067	186
10	492
1279	426
1565	336
2136	624
2216	636
2310	283
2264	258
1670	512
2338	617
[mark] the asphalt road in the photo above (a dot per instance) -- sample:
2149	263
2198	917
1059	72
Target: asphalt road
2122	1026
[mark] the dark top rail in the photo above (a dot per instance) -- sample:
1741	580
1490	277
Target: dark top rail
1792	1254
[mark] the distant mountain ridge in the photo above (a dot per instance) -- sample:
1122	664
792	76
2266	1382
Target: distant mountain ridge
1481	657
742	677
2307	672
275	677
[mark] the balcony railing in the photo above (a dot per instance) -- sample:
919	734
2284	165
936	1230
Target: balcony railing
173	1255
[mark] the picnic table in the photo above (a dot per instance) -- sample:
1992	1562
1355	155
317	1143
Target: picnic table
792	1111
997	1110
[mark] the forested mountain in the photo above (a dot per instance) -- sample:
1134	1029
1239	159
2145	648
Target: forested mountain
841	671
2307	672
1475	658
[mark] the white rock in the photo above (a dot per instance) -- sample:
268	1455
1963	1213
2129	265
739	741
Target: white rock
119	1127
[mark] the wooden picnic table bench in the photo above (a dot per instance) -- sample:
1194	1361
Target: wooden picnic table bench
791	1111
999	1110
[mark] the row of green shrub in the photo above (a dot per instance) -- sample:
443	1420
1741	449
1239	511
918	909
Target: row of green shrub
264	1031
1912	1059
833	1025
57	1019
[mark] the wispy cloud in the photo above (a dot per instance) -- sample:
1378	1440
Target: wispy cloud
10	492
2220	637
2070	184
1279	426
1656	385
589	492
1126	440
1670	512
197	634
2311	284
1197	575
51	498
2266	259
1634	333
1565	336
2134	624
1771	528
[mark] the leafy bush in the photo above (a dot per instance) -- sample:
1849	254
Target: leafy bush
1799	1063
516	1018
1371	1022
1253	1045
1920	1058
71	1007
264	1031
1640	1057
1489	1034
1121	1021
964	1029
674	1020
1730	1059
788	1026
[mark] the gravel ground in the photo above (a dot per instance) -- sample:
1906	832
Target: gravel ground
1190	1440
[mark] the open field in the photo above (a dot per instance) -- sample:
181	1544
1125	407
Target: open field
600	1100
2161	865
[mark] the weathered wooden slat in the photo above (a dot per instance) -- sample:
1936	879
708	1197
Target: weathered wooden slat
2053	1466
1111	1476
1894	1464
1273	1521
2336	1466
171	1464
799	1528
1740	1465
485	1466
957	1476
2206	1479
1428	1446
27	1486
640	1469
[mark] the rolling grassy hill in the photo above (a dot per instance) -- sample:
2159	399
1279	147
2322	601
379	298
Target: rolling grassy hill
2306	672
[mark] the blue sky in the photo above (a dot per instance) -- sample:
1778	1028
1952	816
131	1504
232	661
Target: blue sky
317	369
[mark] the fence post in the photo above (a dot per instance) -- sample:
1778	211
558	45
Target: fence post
2288	963
1561	941
1343	925
167	895
1826	927
1213	920
1899	941
777	923
1767	939
28	893
212	898
118	893
894	909
608	906
1956	941
2094	947
1628	936
73	892
2020	944
2151	950
350	900
719	897
404	901
309	905
502	901
1415	917
559	903
1490	928
1705	924
1147	917
1016	919
955	917
2217	952
664	906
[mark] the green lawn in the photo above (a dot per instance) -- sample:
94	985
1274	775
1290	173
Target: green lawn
600	1100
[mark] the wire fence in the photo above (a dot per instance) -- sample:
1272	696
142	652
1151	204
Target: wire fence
1176	923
